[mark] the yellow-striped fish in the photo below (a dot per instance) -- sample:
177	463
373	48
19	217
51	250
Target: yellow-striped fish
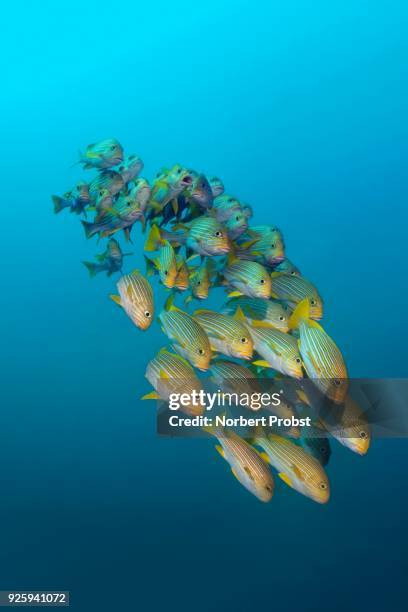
278	351
295	466
232	377
168	374
349	426
190	339
293	289
269	246
248	278
136	298
165	264
200	281
322	358
182	280
227	334
287	267
258	312
246	464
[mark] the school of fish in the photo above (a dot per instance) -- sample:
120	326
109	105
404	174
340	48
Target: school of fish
197	238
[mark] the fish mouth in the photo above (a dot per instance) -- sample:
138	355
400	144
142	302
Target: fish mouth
187	180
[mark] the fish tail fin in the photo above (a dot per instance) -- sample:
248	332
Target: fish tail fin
169	303
59	204
88	227
151	267
301	313
154	239
92	268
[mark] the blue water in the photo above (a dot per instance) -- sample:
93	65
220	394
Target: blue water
301	108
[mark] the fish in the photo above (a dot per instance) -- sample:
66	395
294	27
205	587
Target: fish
182	281
200	192
225	206
294	289
189	338
122	215
216	185
168	374
167	186
278	351
259	312
200	281
130	168
103	154
246	464
248	278
107	179
110	261
236	225
165	264
265	244
76	200
140	192
287	267
349	425
295	466
204	235
315	442
228	335
232	377
103	202
322	359
136	299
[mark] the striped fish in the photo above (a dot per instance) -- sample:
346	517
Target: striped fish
258	312
322	359
349	426
217	187
227	335
103	154
130	168
295	466
165	264
248	278
107	179
232	377
269	245
122	215
190	339
141	193
278	350
206	236
136	299
246	464
168	374
236	225
225	206
287	267
294	289
182	279
200	281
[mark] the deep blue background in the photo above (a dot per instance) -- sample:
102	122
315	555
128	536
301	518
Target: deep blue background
301	108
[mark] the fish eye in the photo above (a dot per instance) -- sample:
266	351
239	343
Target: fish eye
218	234
262	281
244	340
179	171
293	273
337	382
198	282
147	314
273	245
237	218
313	302
121	168
281	318
363	435
165	272
201	351
101	193
230	199
323	486
113	147
298	360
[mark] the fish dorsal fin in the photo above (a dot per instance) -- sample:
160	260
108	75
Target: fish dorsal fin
116	299
201	311
301	313
261	363
235	294
264	324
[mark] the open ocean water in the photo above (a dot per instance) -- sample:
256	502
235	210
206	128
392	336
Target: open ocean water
301	108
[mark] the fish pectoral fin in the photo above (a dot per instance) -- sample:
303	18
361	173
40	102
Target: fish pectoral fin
285	479
264	324
239	315
116	299
248	472
265	457
153	395
261	363
235	294
220	450
164	375
297	472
